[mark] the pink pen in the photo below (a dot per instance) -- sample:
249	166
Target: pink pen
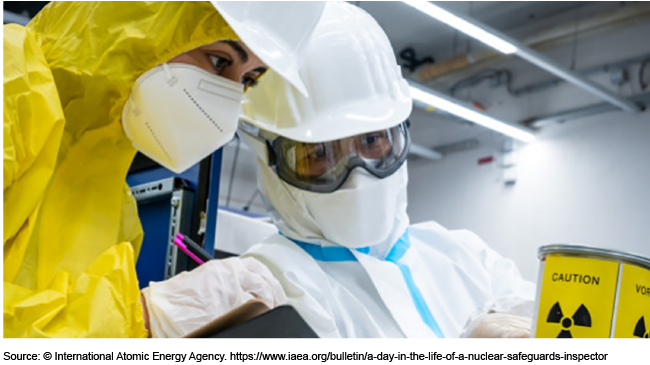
183	247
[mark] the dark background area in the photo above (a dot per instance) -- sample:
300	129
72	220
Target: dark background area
26	8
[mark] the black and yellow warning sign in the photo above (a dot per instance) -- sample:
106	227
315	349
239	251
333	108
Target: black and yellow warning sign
580	318
577	297
633	309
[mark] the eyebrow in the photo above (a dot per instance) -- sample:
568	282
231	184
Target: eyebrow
237	48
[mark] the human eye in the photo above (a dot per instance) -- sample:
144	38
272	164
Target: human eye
374	145
219	63
249	82
317	152
373	139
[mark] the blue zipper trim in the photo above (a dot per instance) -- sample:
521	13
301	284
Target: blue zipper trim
342	254
396	253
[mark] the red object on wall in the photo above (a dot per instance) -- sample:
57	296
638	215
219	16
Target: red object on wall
485	160
478	106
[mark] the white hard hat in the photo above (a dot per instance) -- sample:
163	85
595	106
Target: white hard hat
352	79
276	31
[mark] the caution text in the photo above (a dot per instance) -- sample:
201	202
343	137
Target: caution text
576	278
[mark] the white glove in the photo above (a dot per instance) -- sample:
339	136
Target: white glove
499	325
191	299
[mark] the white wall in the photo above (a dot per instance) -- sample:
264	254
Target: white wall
587	181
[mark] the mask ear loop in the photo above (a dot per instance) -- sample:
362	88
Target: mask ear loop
171	79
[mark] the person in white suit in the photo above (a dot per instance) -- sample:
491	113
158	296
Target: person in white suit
333	174
333	171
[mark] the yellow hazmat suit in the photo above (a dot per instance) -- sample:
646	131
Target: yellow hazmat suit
71	230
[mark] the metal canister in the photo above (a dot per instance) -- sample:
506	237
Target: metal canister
586	292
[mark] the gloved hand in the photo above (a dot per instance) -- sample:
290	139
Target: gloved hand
499	325
191	299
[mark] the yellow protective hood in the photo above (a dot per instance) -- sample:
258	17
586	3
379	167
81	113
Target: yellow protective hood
96	50
71	231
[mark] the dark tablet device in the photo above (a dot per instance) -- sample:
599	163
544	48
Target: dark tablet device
281	322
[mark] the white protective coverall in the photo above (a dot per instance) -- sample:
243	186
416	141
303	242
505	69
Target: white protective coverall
427	282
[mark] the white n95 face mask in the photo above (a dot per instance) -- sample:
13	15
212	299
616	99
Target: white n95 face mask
177	114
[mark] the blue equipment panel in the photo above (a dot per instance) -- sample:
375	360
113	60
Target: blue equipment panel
155	217
213	204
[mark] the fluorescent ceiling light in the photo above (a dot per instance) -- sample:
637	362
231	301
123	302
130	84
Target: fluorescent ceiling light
451	106
463	26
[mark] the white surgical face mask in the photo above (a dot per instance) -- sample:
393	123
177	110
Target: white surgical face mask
178	114
365	211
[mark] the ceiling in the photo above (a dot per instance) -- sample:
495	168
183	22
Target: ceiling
407	27
430	37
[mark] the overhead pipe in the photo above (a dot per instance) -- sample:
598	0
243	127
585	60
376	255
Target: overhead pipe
574	78
506	44
582	112
608	67
628	14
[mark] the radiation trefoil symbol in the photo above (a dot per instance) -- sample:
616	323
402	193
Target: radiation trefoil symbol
580	318
641	330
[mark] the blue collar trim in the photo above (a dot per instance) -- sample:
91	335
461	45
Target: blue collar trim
399	249
328	253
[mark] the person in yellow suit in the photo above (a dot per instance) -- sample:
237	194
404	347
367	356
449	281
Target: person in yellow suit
71	231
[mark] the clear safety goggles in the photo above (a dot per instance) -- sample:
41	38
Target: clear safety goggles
323	167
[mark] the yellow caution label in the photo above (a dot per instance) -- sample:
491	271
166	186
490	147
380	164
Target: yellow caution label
577	298
633	309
